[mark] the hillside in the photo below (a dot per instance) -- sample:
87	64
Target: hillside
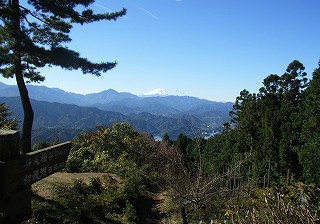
111	100
60	115
56	121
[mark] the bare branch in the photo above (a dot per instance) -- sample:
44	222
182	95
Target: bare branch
33	15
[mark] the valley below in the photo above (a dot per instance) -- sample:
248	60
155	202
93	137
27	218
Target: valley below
60	116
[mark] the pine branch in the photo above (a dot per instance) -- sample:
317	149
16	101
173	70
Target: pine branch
33	15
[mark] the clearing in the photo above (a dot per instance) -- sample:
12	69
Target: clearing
149	206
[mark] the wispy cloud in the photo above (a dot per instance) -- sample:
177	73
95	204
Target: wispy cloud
148	12
179	0
103	7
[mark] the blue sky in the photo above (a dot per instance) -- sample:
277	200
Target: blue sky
210	49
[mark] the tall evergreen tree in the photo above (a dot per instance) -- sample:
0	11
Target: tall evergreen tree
182	143
268	124
245	116
293	82
270	98
309	153
33	34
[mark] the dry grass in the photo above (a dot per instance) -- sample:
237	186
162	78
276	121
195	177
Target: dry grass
44	188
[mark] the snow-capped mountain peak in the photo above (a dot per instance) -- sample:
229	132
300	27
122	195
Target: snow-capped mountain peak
156	92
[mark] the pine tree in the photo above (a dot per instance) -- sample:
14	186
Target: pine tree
5	121
293	82
270	98
246	118
33	34
309	153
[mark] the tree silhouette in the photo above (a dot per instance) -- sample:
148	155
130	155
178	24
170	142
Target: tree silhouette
33	34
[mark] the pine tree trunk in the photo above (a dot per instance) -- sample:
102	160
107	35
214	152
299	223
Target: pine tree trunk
27	108
28	113
288	176
289	168
269	171
183	215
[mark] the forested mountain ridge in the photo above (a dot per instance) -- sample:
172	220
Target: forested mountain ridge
57	109
168	105
110	100
56	121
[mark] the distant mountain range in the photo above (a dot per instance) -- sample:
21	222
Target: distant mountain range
61	115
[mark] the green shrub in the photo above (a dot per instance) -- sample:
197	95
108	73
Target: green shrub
93	151
99	201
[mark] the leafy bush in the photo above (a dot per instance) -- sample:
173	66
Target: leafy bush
94	151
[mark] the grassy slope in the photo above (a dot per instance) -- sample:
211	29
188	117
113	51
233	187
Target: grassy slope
44	188
149	205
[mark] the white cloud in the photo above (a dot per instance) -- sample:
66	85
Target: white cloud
103	7
148	12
